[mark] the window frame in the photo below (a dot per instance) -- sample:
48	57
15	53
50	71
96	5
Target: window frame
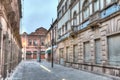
86	5
29	41
74	18
35	43
93	5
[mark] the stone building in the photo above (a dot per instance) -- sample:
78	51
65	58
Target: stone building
10	42
89	35
51	36
34	44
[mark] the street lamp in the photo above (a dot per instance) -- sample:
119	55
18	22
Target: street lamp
39	51
52	46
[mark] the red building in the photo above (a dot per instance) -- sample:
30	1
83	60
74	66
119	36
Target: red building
33	44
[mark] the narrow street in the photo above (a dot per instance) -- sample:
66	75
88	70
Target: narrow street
32	70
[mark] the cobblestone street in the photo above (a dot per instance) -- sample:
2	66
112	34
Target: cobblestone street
32	70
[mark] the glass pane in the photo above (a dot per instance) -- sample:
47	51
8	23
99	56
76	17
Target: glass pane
67	54
86	13
96	5
75	52
102	4
87	52
91	9
114	50
108	2
98	51
86	10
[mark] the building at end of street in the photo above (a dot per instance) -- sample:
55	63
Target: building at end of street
34	44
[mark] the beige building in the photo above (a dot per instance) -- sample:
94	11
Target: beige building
10	42
89	35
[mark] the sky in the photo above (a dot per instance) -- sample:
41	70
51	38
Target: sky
37	13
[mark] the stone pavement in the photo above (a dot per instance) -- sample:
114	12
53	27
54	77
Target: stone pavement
32	70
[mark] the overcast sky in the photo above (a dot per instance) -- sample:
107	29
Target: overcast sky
37	13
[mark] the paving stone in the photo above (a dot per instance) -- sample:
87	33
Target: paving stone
32	70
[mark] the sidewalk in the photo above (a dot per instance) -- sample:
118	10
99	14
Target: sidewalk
32	70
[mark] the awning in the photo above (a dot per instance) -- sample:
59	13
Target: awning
48	51
42	52
28	53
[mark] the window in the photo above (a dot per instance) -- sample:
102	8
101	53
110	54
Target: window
98	51
54	33
65	6
75	18
66	27
59	14
34	52
96	5
87	54
102	4
67	54
108	2
61	54
59	33
35	43
28	53
114	50
29	42
86	9
63	30
63	9
42	43
75	53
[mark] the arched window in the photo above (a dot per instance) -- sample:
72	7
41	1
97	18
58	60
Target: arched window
86	9
75	18
96	5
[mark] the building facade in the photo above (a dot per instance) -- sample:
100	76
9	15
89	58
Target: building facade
89	34
34	44
10	42
50	40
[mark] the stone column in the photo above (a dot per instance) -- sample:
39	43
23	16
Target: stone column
92	43
104	46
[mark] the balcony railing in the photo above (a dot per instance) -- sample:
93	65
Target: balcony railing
95	17
63	37
74	30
